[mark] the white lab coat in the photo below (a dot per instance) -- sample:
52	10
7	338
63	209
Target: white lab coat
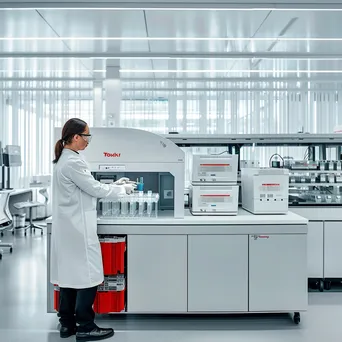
76	260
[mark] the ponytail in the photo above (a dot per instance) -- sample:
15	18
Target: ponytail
58	150
70	129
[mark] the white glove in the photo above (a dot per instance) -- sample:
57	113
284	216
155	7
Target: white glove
129	188
122	181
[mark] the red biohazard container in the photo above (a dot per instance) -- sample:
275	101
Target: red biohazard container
110	296
56	298
109	302
113	255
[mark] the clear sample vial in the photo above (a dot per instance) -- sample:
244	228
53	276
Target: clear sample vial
106	208
141	204
149	203
115	209
124	207
132	205
156	200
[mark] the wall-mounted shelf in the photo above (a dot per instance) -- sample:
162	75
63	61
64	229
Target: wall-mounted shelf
255	139
299	185
315	171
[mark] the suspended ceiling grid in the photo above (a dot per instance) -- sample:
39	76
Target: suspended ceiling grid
164	44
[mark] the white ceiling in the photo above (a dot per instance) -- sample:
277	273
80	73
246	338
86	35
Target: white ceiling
241	25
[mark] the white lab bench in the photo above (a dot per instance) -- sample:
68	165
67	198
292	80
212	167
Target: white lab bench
324	241
239	264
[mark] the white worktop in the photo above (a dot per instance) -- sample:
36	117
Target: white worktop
319	213
243	223
243	218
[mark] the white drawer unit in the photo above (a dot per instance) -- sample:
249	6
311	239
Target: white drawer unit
218	273
332	249
157	273
278	273
315	250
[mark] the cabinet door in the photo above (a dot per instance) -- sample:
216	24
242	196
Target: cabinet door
333	249
315	250
157	273
278	273
217	273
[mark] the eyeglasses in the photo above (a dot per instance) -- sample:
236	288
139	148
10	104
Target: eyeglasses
86	137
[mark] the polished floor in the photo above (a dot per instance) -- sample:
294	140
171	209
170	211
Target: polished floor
23	314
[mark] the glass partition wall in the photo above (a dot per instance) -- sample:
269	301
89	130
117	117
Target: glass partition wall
29	111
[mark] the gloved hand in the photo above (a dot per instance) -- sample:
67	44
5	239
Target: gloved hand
129	188
122	181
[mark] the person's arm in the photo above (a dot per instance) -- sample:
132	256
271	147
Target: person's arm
79	174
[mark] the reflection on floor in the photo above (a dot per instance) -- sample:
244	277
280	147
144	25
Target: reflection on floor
23	314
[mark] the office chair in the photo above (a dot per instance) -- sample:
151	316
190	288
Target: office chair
6	221
45	194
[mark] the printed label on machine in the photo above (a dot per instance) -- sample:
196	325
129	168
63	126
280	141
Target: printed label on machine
112	239
213	200
213	169
113	283
112	167
267	187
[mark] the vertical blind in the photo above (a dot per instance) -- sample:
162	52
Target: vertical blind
28	116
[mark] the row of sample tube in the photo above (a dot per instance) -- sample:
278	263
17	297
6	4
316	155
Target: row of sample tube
316	178
319	198
139	204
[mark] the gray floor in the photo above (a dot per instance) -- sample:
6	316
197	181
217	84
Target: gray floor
23	314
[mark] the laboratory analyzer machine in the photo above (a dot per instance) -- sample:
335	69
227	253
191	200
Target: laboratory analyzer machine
215	169
214	200
265	190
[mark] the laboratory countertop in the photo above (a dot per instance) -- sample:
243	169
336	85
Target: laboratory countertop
242	218
243	223
319	213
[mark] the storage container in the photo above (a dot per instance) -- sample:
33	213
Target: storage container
110	296
109	302
113	254
56	298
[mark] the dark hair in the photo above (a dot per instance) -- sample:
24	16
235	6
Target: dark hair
71	128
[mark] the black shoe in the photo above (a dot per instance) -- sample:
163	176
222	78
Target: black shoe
67	332
94	335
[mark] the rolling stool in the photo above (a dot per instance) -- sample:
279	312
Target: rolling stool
30	206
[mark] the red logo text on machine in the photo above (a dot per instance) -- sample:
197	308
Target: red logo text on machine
112	155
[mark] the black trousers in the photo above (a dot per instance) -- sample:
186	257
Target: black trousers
76	306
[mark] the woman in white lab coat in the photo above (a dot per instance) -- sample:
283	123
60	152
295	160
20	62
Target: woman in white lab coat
76	261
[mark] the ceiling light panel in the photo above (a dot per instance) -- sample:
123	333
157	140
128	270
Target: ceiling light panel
203	24
316	7
96	23
232	71
236	39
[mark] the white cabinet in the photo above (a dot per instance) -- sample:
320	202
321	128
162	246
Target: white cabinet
217	273
157	273
315	249
332	250
278	273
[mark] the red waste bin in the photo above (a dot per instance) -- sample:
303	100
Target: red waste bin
113	255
